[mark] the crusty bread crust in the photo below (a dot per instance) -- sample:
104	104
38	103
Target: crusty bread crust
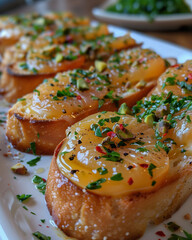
23	129
15	86
86	216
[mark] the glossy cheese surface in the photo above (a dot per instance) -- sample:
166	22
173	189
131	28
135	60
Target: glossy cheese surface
138	166
175	77
99	85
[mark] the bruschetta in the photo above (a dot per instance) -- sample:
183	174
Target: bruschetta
114	173
44	115
12	28
28	66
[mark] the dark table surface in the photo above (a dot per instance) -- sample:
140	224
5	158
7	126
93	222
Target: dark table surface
182	37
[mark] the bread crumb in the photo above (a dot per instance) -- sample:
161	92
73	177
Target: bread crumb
187	216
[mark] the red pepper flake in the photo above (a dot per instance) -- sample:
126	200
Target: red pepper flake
175	65
87	80
40	225
99	149
47	226
190	76
160	233
44	180
130	181
141	60
141	157
69	39
79	97
111	134
121	126
144	165
164	134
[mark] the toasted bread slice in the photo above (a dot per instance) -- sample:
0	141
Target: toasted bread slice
71	96
13	28
48	60
101	189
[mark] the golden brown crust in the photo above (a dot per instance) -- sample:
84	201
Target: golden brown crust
5	43
23	129
83	215
15	85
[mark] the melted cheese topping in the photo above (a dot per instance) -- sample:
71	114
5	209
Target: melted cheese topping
38	105
177	73
139	167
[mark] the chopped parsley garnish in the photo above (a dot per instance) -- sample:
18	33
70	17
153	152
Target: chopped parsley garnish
117	177
100	103
115	119
34	161
121	143
25	208
32	148
153	183
101	122
183	150
188	236
41	236
70	57
112	156
185	85
142	149
62	153
34	70
24	66
64	93
98	132
23	197
138	143
188	119
42	220
102	170
41	183
106	130
169	81
21	99
38	92
163	146
151	168
115	99
96	184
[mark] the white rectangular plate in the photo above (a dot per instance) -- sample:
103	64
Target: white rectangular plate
19	224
